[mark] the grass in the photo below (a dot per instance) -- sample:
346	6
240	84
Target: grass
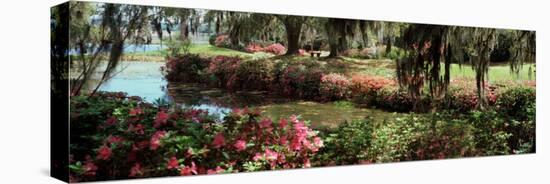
496	73
346	65
202	49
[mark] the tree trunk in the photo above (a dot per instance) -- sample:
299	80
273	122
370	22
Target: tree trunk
388	44
184	32
293	27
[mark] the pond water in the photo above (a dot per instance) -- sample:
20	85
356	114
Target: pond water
145	79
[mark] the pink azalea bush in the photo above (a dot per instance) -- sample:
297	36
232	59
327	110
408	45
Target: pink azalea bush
222	40
334	87
253	47
275	48
180	142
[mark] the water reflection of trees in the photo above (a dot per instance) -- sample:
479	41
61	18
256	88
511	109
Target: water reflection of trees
197	94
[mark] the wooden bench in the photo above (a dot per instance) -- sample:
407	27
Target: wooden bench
313	53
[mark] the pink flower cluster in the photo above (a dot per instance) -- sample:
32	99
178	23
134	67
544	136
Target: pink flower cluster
275	48
334	86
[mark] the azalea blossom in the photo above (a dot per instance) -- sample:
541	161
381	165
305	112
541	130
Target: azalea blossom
240	145
111	121
135	112
271	155
104	153
265	123
114	139
217	170
136	170
155	139
307	164
257	157
90	168
160	119
173	163
186	170
219	140
283	123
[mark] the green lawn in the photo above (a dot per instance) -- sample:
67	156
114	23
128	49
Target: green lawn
380	67
496	73
202	49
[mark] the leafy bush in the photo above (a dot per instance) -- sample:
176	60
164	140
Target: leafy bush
275	48
253	47
334	87
223	71
186	68
127	138
366	89
462	96
394	99
255	74
301	81
222	40
519	107
518	102
212	39
178	48
347	144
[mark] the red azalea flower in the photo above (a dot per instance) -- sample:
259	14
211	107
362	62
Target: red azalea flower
307	164
173	163
265	123
137	129
114	139
240	145
217	170
104	153
160	119
257	157
219	140
283	123
135	112
155	139
136	170
90	168
271	155
111	121
186	171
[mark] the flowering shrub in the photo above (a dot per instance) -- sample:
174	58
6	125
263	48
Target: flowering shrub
223	71
114	136
519	106
147	141
334	87
462	96
186	68
222	40
301	81
255	74
253	47
366	89
301	52
275	48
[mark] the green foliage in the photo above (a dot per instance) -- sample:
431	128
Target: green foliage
519	107
518	103
178	48
348	143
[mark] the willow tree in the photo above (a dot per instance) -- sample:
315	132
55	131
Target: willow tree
428	46
88	40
